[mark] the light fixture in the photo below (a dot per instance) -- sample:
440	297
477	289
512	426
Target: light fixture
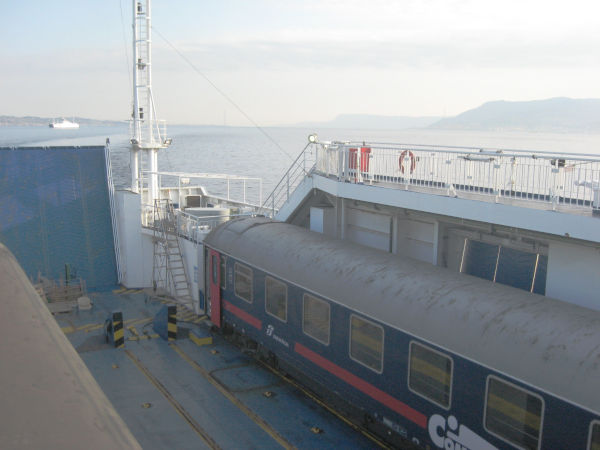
312	138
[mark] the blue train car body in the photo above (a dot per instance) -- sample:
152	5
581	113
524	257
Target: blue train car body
434	358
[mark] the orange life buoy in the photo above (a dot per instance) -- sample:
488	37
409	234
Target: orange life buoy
413	161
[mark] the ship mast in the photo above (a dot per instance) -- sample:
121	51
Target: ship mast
148	133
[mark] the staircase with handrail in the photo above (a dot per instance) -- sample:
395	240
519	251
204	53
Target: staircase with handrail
303	166
169	270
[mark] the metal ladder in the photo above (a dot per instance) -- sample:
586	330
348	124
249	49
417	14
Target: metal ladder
169	270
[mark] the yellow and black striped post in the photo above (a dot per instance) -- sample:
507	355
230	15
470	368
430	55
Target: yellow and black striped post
165	322
172	322
113	329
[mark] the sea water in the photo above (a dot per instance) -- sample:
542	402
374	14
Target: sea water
268	152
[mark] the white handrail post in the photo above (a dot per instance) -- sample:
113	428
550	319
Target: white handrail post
406	163
303	163
346	160
448	184
318	157
554	188
495	169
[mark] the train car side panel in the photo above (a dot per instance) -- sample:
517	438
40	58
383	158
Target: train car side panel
410	383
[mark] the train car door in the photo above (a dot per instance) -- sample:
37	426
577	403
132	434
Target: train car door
215	287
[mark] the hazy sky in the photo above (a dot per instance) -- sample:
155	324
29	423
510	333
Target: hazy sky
287	61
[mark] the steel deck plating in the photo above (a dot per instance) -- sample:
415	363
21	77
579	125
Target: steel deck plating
180	395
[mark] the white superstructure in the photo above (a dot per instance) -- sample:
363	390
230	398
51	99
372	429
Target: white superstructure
148	134
64	124
526	219
151	218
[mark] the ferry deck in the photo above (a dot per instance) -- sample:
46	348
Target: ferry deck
182	395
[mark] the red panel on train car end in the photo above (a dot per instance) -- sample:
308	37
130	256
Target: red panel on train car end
215	288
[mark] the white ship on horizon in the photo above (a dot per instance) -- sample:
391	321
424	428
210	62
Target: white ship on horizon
64	124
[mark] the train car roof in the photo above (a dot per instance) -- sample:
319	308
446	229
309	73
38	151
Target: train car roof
544	342
50	398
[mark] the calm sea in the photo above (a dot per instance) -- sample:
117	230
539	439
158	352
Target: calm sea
247	152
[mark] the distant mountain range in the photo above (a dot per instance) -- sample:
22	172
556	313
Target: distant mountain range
10	121
555	114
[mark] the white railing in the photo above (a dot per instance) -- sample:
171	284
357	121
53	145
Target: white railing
238	190
188	225
161	131
147	215
302	166
233	195
546	177
194	228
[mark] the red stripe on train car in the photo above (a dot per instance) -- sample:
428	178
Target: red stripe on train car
256	323
363	386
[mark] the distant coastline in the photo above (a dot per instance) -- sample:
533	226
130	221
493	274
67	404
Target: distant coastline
562	115
550	115
559	114
35	121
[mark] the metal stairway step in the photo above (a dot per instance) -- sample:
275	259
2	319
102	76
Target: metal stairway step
168	258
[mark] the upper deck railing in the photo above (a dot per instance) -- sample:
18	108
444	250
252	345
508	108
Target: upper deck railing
533	176
302	166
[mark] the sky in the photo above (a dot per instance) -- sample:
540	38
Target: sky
289	61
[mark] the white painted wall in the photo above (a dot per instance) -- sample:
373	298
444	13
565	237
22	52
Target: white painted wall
192	257
417	239
368	228
544	221
135	247
573	274
316	219
322	220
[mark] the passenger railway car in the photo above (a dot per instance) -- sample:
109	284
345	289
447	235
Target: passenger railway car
427	356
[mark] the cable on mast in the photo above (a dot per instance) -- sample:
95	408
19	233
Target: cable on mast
223	94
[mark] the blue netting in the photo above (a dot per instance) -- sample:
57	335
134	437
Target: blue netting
55	210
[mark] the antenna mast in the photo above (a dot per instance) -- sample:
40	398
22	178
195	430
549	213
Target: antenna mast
148	134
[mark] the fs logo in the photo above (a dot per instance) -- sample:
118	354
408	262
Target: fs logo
447	434
270	330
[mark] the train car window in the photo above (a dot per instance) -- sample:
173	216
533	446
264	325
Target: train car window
243	282
315	318
276	298
213	259
513	414
223	274
366	343
594	443
430	374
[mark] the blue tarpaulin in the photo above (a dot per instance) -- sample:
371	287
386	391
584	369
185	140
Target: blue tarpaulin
55	212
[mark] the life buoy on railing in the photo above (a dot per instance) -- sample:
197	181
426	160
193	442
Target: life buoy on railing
413	160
